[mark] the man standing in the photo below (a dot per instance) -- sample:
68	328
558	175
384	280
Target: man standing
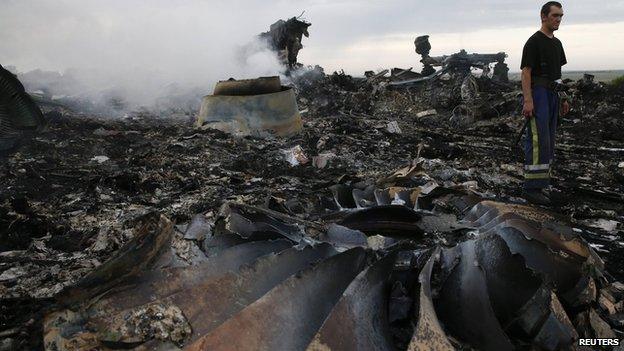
542	58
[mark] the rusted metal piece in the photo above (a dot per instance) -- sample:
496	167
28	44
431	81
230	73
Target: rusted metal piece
256	291
428	334
242	87
345	329
206	294
167	281
211	301
252	114
288	316
415	168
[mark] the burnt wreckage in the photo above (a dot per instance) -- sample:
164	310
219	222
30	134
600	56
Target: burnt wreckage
273	222
19	115
285	37
262	279
460	63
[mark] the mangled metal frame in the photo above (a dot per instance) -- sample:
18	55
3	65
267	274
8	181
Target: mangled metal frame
263	273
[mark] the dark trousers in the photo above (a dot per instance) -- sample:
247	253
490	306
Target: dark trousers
539	147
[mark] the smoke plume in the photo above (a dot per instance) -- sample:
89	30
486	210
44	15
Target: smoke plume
122	55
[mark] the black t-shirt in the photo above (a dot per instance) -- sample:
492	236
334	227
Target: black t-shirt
544	55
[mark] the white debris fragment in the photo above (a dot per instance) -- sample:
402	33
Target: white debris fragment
621	164
321	160
295	156
393	127
611	149
12	273
100	159
105	132
425	113
607	225
397	200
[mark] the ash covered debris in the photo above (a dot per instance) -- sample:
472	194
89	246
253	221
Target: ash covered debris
528	278
149	232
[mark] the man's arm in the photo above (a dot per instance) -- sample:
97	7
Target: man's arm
527	108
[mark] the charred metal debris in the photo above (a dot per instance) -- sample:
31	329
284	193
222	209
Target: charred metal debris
19	115
285	38
259	278
320	211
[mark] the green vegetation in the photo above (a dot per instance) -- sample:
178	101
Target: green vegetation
618	82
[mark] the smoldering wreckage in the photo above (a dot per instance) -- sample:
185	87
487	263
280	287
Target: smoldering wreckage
334	213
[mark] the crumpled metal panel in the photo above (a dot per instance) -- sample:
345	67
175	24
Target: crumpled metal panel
464	298
535	235
429	334
345	329
205	294
18	112
504	280
288	317
253	224
255	290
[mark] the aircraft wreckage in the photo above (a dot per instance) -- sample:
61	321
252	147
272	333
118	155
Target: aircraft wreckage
251	107
19	115
399	262
264	280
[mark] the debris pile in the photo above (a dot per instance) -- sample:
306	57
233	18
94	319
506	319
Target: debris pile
114	232
527	278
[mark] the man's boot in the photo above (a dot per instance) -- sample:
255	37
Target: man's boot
535	196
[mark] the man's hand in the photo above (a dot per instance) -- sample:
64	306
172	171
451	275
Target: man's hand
527	109
565	108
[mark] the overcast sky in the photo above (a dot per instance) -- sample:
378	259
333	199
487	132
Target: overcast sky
196	41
